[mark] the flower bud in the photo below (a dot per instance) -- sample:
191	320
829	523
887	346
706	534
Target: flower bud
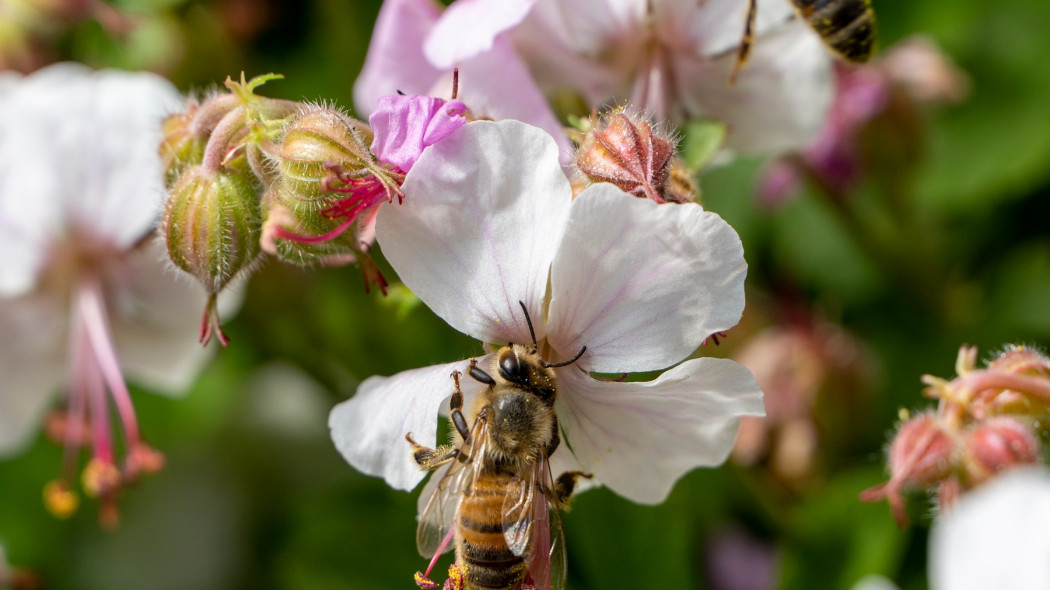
301	234
180	148
1020	372
921	456
316	148
212	225
996	445
624	149
921	452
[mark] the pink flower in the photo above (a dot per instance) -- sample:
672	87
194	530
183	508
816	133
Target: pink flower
495	84
403	126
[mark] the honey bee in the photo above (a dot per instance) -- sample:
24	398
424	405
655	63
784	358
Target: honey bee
847	28
497	501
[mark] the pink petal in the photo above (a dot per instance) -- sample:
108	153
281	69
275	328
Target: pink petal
395	58
642	285
369	429
469	28
640	438
483	213
404	125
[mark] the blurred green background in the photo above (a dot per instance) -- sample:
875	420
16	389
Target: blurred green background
254	494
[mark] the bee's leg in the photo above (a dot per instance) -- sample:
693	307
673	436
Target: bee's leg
552	444
430	459
479	375
564	486
744	50
455	579
455	405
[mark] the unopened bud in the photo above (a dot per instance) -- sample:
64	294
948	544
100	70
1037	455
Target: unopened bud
624	149
316	148
212	225
996	445
1024	373
921	455
181	148
301	234
921	452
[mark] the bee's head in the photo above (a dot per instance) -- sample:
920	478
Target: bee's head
522	366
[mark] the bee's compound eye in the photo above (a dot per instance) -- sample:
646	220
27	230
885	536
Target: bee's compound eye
509	367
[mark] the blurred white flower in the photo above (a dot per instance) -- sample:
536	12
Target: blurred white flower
995	536
671	58
82	281
490	222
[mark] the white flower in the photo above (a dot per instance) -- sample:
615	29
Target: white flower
492	222
672	58
995	536
82	282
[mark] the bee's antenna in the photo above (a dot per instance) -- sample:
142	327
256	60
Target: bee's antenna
528	320
568	362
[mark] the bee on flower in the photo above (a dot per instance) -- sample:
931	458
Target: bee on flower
492	222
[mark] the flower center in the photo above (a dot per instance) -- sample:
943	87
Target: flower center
96	386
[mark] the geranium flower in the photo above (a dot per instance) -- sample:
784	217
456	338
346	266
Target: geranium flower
491	221
671	58
81	280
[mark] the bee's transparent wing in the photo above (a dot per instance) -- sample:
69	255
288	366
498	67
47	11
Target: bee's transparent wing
534	526
438	516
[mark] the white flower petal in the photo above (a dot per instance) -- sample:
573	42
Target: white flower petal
780	98
32	360
484	211
369	429
155	316
640	438
995	536
78	160
641	284
469	28
395	58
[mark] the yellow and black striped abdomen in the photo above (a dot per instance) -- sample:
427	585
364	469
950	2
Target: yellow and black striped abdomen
846	26
481	548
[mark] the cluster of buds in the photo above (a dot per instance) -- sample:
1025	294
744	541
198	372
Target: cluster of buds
248	174
626	149
984	424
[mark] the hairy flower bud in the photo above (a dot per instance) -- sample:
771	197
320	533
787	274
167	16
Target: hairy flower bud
996	445
180	148
624	149
921	455
316	148
1017	382
212	225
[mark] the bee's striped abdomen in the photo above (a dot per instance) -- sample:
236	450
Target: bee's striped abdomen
846	26
480	545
